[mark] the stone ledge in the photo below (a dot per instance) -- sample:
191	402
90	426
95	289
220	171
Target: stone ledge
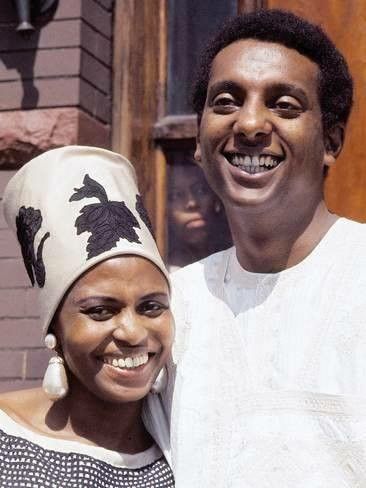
27	133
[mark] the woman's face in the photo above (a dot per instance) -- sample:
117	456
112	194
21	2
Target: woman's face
115	328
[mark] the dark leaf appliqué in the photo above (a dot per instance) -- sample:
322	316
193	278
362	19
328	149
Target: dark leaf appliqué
141	210
28	222
106	221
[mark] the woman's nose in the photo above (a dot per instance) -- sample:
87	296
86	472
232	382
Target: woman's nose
130	329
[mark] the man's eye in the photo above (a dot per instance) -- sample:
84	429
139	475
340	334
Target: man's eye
224	103
152	308
288	106
99	313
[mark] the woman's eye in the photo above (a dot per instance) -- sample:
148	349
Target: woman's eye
152	308
99	313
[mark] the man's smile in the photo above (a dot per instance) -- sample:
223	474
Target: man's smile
254	163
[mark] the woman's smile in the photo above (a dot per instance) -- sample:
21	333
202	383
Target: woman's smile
116	328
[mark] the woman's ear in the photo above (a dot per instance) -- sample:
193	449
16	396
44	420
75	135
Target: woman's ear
333	143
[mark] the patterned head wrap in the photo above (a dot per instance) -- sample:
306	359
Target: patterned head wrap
72	208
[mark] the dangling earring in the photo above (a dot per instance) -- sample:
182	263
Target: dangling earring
55	380
161	381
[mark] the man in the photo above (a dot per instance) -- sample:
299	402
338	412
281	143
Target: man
271	340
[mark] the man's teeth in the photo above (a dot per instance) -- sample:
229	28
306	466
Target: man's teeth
254	164
128	362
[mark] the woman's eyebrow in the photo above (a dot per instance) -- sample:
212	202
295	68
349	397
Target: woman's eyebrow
95	298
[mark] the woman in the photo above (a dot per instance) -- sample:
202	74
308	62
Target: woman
104	302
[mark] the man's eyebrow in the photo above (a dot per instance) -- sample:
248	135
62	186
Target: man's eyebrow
291	89
221	86
227	85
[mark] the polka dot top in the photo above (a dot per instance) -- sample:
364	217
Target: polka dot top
28	459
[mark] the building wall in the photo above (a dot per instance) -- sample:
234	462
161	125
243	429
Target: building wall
56	84
55	89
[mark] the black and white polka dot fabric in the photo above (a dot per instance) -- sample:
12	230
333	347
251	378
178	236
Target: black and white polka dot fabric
26	464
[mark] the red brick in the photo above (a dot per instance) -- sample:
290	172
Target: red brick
68	10
98	17
9	247
103	107
47	63
4	178
6	385
19	303
12	364
20	333
3	223
87	96
95	73
95	102
107	4
98	45
31	303
93	132
36	362
13	273
65	33
8	12
57	92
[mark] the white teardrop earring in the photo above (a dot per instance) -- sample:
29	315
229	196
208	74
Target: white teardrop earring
55	383
161	381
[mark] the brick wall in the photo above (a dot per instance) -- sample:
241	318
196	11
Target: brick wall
22	356
55	89
65	63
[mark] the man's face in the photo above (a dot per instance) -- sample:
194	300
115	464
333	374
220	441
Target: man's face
260	139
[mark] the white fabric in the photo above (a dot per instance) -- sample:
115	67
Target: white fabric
271	370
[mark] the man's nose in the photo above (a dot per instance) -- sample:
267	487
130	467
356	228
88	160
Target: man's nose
253	121
130	329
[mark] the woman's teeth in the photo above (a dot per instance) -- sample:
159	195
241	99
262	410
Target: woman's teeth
254	164
128	362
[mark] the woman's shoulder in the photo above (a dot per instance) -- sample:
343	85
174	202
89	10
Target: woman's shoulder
24	406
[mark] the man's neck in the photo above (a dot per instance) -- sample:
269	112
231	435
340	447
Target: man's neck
266	244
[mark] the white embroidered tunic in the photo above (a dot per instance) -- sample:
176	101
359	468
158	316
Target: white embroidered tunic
271	370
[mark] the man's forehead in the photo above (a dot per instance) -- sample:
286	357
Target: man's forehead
262	59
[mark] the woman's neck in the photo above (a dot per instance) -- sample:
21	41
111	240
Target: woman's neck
114	426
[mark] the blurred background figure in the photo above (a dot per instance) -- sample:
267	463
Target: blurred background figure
197	223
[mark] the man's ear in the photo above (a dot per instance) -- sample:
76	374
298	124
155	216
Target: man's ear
333	142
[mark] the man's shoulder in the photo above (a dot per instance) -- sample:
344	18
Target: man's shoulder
199	271
196	283
353	235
